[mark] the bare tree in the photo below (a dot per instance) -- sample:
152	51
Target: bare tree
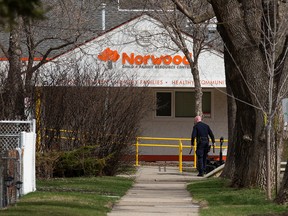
91	113
92	121
180	30
31	44
257	81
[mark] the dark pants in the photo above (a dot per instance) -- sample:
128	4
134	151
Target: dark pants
202	152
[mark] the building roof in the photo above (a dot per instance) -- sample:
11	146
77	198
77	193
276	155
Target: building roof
75	23
82	21
139	52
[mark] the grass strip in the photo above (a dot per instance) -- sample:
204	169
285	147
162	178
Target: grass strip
216	198
71	196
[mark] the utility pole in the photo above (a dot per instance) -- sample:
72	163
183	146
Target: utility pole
1	183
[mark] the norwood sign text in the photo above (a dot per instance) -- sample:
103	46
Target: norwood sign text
154	60
160	69
129	60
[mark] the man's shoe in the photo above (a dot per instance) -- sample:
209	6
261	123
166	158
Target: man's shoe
200	175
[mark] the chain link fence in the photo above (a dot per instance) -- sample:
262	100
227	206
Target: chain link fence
10	134
10	158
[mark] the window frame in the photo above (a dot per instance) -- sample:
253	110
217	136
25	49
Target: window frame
173	104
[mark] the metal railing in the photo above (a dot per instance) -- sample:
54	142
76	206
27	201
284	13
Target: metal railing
177	143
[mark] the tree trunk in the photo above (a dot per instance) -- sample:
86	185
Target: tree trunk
255	38
13	95
198	90
247	80
196	78
229	168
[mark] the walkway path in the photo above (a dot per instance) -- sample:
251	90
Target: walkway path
157	193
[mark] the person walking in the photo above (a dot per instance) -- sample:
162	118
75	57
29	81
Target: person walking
201	132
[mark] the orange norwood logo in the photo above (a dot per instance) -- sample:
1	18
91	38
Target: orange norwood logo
112	56
109	55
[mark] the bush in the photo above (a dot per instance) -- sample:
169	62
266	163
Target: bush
45	163
95	134
80	162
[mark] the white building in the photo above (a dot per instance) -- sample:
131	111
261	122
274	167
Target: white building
140	53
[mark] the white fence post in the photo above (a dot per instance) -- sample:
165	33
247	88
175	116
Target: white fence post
28	162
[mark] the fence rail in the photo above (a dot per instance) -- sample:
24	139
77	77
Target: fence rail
176	143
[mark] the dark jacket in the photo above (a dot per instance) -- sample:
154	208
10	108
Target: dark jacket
201	131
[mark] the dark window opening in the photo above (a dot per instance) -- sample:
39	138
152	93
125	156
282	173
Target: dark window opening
163	104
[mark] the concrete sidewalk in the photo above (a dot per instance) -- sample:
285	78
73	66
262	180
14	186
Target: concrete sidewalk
158	192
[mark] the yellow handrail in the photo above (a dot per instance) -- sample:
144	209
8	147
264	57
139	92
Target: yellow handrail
180	147
178	144
180	155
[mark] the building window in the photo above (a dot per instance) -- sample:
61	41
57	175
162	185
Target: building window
184	106
206	104
163	104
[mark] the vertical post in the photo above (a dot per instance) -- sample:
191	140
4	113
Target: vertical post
221	154
38	118
18	174
103	5
180	156
195	156
33	125
1	184
137	152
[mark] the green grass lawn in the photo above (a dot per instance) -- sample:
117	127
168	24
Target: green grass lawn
217	198
96	196
71	197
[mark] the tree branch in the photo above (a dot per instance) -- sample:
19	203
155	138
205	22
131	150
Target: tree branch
203	16
3	50
45	56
